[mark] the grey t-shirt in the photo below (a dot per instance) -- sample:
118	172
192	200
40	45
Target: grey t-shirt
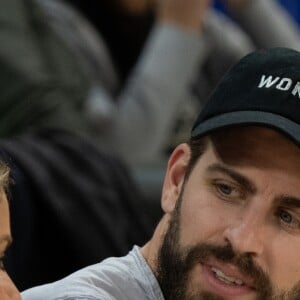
127	277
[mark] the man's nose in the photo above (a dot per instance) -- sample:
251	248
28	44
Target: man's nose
246	235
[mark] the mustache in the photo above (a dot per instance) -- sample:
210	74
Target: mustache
244	262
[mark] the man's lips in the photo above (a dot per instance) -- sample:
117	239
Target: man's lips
226	279
231	271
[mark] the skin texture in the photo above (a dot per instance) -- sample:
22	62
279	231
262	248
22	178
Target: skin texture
8	291
243	197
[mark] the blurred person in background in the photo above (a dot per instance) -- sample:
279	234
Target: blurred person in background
58	72
117	70
165	57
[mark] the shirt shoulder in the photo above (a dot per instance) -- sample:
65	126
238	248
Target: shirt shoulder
128	277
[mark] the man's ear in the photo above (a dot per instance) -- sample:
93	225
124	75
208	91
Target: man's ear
174	177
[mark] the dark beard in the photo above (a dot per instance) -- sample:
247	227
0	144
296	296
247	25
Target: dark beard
174	265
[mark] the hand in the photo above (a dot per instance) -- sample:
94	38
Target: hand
188	14
8	290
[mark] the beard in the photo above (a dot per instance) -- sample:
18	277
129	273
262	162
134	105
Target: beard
175	264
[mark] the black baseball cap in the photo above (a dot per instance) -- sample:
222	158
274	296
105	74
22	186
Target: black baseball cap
262	89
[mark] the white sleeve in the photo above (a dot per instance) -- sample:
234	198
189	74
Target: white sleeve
146	108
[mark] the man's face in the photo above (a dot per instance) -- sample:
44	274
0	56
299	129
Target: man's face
235	230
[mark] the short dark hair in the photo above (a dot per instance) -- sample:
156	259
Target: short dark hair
197	148
198	145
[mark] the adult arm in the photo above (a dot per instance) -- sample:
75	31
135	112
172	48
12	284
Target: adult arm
148	104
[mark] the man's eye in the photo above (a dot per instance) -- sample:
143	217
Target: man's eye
225	189
286	217
289	221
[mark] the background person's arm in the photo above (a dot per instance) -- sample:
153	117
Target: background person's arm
148	104
267	22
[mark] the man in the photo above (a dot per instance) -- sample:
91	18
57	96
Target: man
231	201
8	291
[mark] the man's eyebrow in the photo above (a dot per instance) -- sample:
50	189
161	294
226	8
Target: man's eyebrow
288	201
239	178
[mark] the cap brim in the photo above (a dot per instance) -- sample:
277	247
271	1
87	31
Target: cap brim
258	118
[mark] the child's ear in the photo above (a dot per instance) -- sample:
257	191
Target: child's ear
174	177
